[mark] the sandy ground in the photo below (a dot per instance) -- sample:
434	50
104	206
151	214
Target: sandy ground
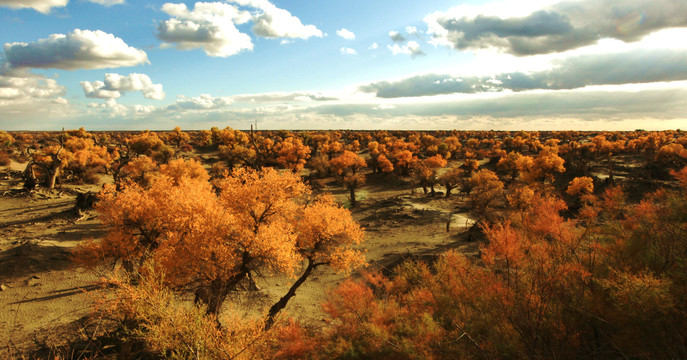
44	299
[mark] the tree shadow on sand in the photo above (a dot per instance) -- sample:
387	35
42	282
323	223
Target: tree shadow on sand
30	259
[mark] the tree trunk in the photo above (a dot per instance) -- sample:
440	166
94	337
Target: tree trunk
352	193
281	304
52	176
214	295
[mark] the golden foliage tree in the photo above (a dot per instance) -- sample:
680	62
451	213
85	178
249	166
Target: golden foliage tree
292	154
425	171
210	241
580	186
486	190
347	167
545	287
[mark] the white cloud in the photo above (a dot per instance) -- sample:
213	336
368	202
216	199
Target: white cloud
97	90
202	102
543	28
348	51
29	100
80	49
373	46
411	30
274	22
210	26
633	66
622	107
412	48
115	84
44	6
108	3
29	87
346	34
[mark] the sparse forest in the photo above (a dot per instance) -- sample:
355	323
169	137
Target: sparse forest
223	244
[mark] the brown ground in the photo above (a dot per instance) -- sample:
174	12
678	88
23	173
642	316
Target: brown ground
44	300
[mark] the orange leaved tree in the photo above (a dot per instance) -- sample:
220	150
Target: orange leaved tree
209	240
486	190
292	154
544	287
425	171
451	178
347	166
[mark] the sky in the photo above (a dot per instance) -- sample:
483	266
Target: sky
354	64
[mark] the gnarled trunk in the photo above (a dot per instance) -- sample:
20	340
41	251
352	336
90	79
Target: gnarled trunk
214	295
281	304
54	172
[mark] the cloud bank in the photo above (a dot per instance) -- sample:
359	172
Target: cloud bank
632	67
562	26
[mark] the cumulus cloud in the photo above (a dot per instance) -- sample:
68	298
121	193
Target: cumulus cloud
210	26
273	22
373	46
559	27
346	34
348	51
631	67
202	102
108	3
80	49
44	6
411	48
29	87
115	84
411	30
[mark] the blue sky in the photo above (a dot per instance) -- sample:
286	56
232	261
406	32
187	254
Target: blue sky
534	65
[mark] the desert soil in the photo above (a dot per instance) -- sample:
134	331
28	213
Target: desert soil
45	299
